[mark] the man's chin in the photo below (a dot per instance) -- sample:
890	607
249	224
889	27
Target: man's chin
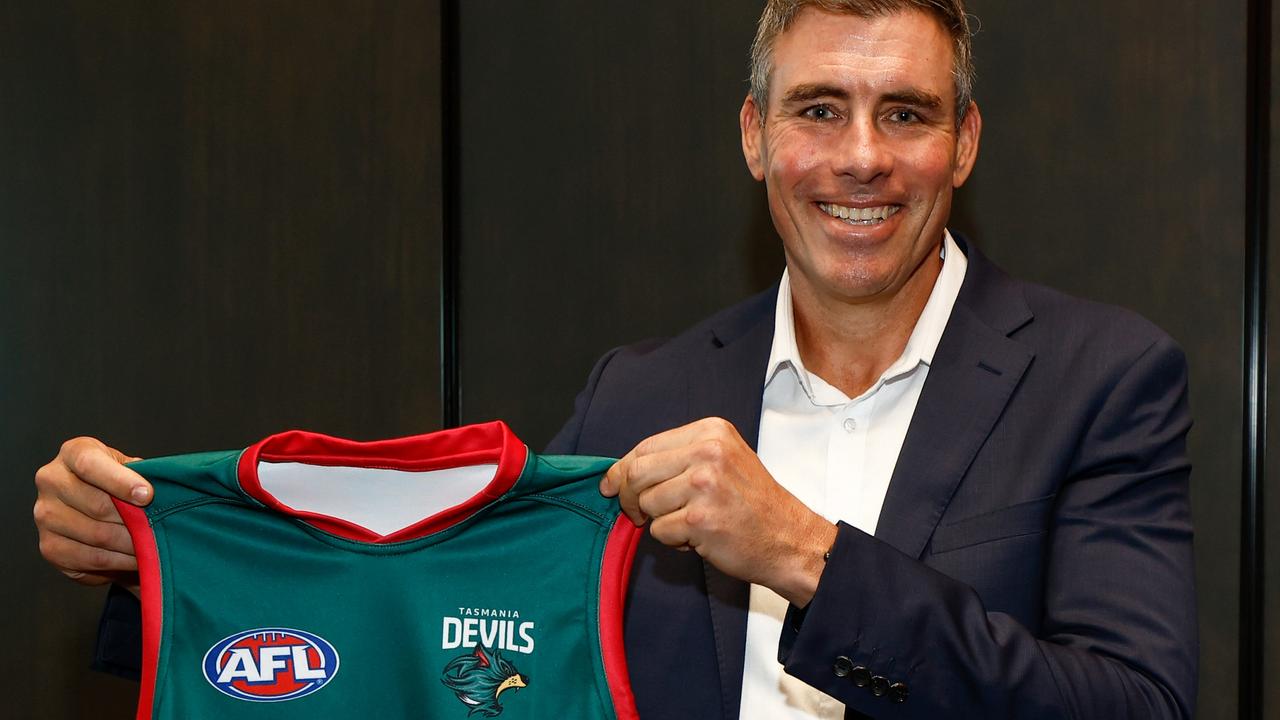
873	280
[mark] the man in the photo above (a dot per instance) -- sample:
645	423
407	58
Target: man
970	493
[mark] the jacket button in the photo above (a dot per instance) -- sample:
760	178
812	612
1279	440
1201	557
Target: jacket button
842	667
860	676
898	692
879	685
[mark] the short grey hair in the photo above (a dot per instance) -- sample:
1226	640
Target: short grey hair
779	15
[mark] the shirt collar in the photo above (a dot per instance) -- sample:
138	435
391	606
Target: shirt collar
920	346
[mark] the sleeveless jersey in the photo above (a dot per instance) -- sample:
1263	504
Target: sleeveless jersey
448	575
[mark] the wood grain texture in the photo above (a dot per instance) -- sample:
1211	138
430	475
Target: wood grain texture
604	194
219	220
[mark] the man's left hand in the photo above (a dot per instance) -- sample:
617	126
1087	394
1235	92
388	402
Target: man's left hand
705	489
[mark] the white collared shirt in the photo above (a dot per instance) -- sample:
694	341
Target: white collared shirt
835	454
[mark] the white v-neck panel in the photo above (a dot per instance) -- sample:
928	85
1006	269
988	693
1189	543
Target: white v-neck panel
382	500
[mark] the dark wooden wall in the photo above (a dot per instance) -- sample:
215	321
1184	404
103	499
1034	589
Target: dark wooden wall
222	219
604	195
218	220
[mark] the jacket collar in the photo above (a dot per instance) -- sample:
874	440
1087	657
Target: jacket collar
729	384
975	370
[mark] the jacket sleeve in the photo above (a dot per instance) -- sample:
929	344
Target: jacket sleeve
1118	634
119	646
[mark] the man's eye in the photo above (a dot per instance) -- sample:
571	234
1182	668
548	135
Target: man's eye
904	116
820	112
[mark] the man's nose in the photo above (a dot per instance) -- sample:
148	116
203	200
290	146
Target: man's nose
863	152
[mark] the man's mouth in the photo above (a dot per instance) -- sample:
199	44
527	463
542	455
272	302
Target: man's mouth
860	216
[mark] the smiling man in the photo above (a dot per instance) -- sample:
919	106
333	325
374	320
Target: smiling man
967	495
899	484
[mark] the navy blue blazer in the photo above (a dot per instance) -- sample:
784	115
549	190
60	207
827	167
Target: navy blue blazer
1033	554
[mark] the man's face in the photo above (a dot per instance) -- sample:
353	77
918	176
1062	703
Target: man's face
860	152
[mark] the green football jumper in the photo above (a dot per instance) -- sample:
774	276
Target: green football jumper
448	575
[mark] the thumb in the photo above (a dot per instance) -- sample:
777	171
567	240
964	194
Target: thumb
611	482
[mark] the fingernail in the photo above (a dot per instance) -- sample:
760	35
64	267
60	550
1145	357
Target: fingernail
140	494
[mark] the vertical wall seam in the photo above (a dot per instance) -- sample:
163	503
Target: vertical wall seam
1257	198
450	267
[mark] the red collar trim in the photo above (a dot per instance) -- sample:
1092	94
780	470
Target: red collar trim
486	443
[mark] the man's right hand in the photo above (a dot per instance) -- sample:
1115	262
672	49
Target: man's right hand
81	532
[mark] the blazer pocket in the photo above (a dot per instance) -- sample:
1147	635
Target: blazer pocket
1025	518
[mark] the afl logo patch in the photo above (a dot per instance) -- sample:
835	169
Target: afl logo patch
270	664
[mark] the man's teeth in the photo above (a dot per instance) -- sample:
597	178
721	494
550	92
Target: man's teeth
862	216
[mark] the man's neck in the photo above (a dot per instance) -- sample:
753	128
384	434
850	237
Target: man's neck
850	345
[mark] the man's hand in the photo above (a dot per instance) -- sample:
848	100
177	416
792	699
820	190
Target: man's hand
81	533
706	489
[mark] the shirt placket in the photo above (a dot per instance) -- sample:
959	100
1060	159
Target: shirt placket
847	462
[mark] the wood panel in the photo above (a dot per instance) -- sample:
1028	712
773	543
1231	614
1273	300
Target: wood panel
604	195
1271	484
219	220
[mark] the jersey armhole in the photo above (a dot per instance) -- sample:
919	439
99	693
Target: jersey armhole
144	547
615	574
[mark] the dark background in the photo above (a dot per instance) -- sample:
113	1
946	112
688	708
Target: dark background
223	219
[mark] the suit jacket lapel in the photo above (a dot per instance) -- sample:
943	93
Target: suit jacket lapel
730	385
975	370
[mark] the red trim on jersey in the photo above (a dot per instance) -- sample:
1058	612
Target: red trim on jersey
615	573
486	443
144	547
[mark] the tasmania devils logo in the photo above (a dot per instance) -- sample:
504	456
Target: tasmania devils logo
479	677
270	664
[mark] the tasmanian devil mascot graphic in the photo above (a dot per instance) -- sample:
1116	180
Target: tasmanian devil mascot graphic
478	678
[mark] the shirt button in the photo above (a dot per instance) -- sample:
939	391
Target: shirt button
850	424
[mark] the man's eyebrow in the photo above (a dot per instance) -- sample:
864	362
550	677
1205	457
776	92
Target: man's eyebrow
916	98
812	91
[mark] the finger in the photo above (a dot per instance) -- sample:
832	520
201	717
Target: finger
672	530
664	442
59	488
627	498
87	500
616	477
636	475
666	497
102	467
710	427
85	578
69	522
71	557
611	481
640	473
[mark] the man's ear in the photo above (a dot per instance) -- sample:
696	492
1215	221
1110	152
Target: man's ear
751	121
967	138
